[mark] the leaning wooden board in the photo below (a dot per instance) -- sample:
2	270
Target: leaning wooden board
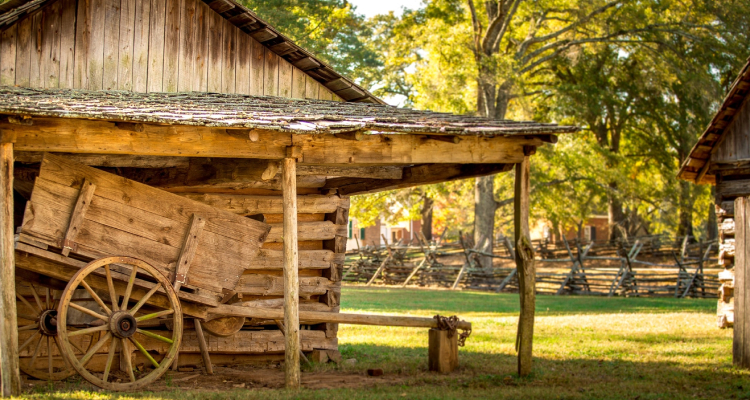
126	218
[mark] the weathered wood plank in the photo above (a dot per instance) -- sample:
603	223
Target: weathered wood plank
215	51
104	160
35	63
740	345
8	56
111	44
243	342
271	73
268	285
308	259
525	265
95	54
200	67
322	230
85	136
252	205
229	58
257	56
312	88
67	43
23	52
187	42
351	172
157	21
189	247
82	39
9	369
285	78
730	189
171	46
125	56
244	63
299	82
141	33
76	217
50	60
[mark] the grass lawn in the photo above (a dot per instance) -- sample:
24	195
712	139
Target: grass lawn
585	348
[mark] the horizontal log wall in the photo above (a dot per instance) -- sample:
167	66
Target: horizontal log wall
145	46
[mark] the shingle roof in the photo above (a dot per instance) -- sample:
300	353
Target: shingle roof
700	155
258	112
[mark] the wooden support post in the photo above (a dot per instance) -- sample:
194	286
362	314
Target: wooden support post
526	268
442	351
204	347
291	278
9	372
741	342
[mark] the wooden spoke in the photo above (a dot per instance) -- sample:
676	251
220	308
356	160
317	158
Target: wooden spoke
36	352
27	304
96	297
154	336
48	298
59	349
145	299
87	357
154	315
110	357
128	362
89	312
28	341
144	352
36	297
89	330
28	317
129	289
77	347
28	327
111	285
49	355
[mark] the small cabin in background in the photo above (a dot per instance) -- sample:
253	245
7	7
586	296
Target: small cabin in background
722	158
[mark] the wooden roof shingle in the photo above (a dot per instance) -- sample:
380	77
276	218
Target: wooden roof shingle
256	112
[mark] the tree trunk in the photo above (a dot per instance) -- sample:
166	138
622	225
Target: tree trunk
686	203
614	211
427	207
484	217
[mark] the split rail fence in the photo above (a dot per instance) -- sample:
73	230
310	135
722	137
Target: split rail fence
651	266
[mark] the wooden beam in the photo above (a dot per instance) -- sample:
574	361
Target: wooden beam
101	137
255	204
525	268
109	160
415	176
375	172
291	275
9	372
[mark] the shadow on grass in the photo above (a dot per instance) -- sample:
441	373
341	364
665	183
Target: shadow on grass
397	300
484	376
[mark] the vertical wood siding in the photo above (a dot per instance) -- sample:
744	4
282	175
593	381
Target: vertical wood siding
736	142
145	46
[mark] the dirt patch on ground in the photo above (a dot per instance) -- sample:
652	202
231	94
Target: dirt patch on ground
229	378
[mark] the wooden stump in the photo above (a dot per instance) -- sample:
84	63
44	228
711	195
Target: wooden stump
443	351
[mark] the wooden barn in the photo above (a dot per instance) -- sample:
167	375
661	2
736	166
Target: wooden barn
722	158
193	136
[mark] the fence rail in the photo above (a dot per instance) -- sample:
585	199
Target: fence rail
646	266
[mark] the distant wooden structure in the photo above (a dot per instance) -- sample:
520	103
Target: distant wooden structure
722	158
205	100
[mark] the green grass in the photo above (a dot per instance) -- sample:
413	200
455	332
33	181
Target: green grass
585	348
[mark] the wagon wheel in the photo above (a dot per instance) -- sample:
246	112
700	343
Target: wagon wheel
38	334
119	322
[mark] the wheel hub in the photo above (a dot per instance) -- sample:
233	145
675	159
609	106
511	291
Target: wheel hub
48	322
123	325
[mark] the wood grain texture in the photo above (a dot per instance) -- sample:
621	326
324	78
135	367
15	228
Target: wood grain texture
35	62
741	341
312	88
157	19
229	58
189	247
50	44
285	78
525	267
271	74
215	51
258	67
95	54
256	204
200	55
244	63
299	83
9	369
82	39
67	43
442	353
125	60
111	44
141	31
23	52
8	55
291	278
171	46
187	44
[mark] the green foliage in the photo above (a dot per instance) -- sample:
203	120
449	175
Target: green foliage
330	29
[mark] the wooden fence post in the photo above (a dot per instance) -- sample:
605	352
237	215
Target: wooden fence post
291	274
741	342
525	268
9	372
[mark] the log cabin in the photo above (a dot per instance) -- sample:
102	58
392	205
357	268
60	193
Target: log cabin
206	100
722	158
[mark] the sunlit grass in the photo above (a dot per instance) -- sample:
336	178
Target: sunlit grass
585	348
